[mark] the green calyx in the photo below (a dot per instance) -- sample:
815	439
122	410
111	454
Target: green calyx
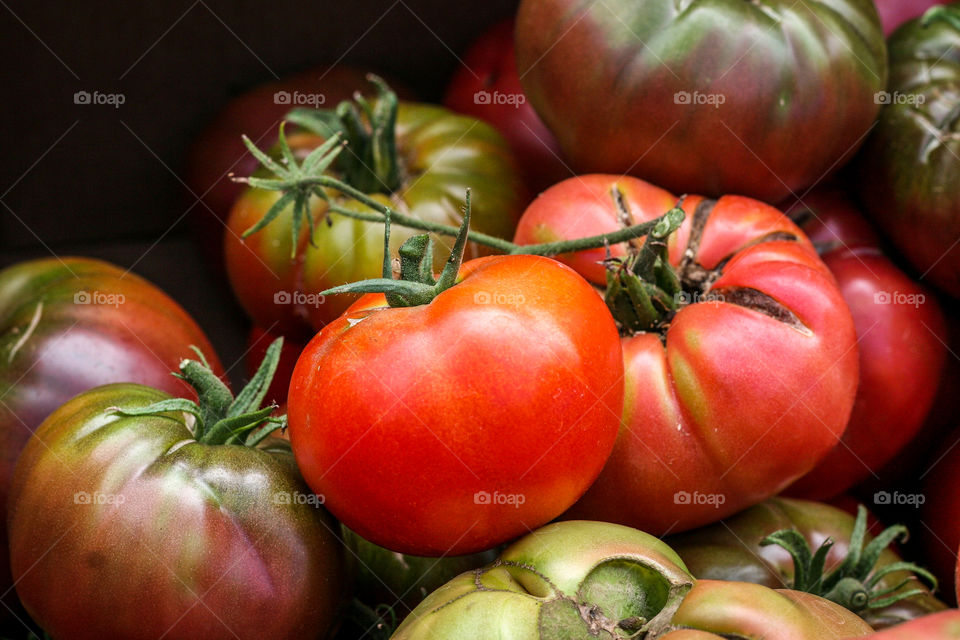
643	289
949	14
854	582
370	131
416	285
219	417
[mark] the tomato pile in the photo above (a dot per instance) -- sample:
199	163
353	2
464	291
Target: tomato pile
644	334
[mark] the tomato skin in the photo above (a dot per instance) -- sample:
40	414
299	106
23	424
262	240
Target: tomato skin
490	65
907	176
897	320
893	13
585	206
698	412
442	154
256	113
612	575
796	99
197	528
129	330
731	550
938	626
508	382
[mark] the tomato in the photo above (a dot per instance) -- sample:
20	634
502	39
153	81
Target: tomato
486	86
893	13
257	342
908	174
898	321
130	520
435	156
592	579
219	150
939	626
456	425
734	550
755	98
743	385
940	511
70	324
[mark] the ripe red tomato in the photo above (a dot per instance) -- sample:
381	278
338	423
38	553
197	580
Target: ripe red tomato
893	13
70	324
451	427
938	626
741	390
256	113
898	321
487	86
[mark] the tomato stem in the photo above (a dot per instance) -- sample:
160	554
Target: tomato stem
221	418
942	13
298	182
852	584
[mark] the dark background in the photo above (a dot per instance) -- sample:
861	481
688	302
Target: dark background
101	181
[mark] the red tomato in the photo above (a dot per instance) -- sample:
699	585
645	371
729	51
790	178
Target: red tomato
740	392
898	321
487	86
893	13
451	427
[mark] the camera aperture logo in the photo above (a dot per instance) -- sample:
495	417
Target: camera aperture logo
897	498
99	297
297	497
685	497
495	97
699	99
298	298
112	99
497	498
299	99
896	97
896	297
498	298
84	497
685	298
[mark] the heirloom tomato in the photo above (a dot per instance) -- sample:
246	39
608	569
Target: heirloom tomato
909	175
585	580
740	354
69	324
417	158
136	515
755	98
